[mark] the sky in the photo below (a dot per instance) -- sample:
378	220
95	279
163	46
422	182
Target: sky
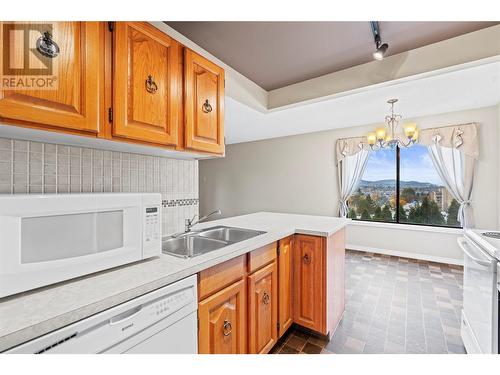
415	165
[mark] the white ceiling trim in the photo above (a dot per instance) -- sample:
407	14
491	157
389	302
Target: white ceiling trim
473	87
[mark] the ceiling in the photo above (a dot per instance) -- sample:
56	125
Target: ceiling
277	54
464	89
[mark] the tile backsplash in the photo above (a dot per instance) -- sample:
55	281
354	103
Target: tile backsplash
43	168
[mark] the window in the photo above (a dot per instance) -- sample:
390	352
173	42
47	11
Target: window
406	176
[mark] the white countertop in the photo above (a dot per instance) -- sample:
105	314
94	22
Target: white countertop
29	315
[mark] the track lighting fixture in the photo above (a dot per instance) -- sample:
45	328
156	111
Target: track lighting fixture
380	48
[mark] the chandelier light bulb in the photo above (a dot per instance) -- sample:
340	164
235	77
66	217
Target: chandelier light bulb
410	130
371	138
380	132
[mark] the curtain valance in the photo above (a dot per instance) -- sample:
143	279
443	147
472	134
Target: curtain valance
350	146
462	137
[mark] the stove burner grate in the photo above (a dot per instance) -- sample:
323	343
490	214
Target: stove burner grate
495	235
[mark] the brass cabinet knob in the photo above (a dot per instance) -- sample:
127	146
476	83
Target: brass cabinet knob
306	258
227	328
266	298
47	46
206	107
151	85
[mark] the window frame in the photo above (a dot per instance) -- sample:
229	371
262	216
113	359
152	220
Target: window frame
396	216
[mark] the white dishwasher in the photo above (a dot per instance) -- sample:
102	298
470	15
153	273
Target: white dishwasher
162	321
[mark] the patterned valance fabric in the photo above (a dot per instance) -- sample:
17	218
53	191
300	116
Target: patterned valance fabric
350	146
462	137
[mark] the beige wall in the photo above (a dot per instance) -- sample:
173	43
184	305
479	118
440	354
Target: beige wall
297	174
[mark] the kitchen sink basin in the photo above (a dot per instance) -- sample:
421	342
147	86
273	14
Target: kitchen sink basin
187	246
191	244
229	234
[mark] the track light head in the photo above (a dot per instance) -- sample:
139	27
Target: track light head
380	51
381	48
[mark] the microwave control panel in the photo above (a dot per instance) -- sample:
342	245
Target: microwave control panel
152	231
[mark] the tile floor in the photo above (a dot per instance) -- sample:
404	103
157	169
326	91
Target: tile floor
393	305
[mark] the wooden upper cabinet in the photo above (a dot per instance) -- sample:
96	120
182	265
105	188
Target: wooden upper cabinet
263	309
222	321
285	303
132	83
309	282
74	104
203	104
147	84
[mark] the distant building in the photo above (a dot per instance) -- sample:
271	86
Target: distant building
442	197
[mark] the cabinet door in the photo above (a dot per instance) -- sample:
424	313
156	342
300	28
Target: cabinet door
262	309
203	104
147	84
285	317
222	318
308	274
71	101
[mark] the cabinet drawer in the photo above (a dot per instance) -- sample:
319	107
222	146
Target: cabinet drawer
262	256
217	277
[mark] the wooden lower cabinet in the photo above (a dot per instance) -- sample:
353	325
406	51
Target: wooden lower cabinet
285	303
318	281
308	283
263	309
222	321
248	302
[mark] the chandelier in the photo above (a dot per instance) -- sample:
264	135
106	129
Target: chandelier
389	135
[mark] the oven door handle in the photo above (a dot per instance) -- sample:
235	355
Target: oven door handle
463	245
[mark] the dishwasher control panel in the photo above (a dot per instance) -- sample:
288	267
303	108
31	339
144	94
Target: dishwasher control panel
172	302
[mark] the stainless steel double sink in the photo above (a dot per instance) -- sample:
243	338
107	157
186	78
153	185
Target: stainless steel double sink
198	242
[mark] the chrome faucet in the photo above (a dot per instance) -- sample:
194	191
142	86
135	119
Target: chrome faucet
190	222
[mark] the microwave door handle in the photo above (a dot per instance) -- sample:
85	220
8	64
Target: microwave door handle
127	315
462	243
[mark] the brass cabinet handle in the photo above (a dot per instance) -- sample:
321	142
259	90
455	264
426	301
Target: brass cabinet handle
227	329
266	298
306	258
206	107
46	46
151	85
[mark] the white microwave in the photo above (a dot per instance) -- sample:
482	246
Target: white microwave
45	239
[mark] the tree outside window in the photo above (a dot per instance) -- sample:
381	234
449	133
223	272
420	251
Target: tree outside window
408	177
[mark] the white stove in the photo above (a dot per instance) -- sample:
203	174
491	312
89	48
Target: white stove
488	240
479	328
